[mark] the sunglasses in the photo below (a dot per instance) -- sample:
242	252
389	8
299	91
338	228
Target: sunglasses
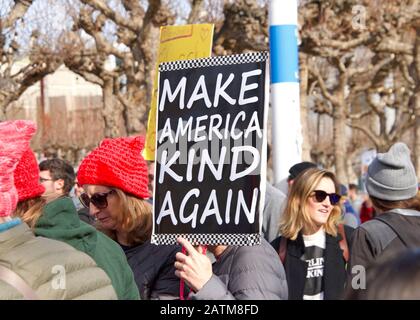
321	195
98	199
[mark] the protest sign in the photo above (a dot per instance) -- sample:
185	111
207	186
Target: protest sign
184	42
211	150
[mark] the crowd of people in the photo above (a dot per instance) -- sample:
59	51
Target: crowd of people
88	235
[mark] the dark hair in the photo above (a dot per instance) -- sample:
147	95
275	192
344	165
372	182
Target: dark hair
60	169
352	186
387	205
396	277
299	168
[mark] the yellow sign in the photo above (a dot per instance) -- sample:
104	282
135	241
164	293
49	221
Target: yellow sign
186	42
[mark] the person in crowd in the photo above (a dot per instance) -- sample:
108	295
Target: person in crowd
313	246
294	172
367	211
30	266
57	219
57	176
350	218
392	186
275	202
115	179
354	198
239	273
396	277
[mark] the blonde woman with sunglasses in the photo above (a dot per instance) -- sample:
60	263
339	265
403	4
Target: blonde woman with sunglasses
313	247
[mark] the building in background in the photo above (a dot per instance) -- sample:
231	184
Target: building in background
68	112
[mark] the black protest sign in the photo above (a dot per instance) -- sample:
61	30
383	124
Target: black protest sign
211	150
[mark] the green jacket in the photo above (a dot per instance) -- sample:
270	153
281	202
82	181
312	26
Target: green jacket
60	221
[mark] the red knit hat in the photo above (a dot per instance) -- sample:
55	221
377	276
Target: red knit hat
14	140
27	177
117	163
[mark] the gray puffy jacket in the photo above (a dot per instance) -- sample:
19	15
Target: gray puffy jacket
37	261
246	273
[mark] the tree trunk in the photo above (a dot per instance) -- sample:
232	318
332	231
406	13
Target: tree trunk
417	135
306	148
417	105
136	109
111	111
339	141
3	112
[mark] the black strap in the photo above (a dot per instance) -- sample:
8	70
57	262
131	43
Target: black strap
282	249
343	242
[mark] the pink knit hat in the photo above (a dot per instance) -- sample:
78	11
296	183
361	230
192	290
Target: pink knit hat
27	177
117	163
14	140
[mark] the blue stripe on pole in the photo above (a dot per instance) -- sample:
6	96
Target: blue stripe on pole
284	59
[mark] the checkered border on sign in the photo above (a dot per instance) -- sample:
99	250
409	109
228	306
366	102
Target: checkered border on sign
214	61
243	239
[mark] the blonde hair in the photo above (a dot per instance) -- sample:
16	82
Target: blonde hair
296	215
134	218
30	210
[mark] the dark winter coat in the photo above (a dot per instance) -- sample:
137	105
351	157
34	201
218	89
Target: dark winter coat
154	271
387	234
334	275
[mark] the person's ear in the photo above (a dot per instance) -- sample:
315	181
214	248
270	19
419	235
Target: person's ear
59	184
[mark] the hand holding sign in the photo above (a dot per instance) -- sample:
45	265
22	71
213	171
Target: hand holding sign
195	268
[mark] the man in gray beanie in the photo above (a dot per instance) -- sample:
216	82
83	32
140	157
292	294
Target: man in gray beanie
391	176
392	186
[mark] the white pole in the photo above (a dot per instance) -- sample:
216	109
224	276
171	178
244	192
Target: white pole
284	62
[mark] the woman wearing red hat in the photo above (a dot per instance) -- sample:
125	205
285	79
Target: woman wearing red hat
58	220
115	179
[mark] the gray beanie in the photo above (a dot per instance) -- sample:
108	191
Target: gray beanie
391	176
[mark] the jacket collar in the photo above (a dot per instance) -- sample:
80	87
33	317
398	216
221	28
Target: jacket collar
296	247
60	221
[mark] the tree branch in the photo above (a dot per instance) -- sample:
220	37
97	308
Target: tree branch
322	108
18	11
113	15
195	11
359	115
314	71
366	131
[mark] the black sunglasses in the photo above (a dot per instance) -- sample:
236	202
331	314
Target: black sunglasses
320	196
98	199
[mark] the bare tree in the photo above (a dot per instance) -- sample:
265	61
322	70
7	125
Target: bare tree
352	48
126	35
20	67
243	28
